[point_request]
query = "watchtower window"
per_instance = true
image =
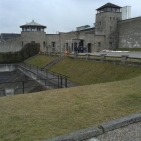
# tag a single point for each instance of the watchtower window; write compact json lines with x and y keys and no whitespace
{"x":113,"y":18}
{"x":110,"y":19}
{"x":110,"y":28}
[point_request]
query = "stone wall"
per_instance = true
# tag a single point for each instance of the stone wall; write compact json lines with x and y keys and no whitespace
{"x":106,"y":24}
{"x":130,"y":33}
{"x":11,"y":45}
{"x":37,"y":37}
{"x":53,"y":43}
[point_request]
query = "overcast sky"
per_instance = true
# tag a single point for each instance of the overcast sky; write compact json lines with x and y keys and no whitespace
{"x":57,"y":15}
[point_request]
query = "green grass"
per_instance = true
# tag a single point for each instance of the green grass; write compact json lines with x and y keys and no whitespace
{"x":85,"y":72}
{"x":51,"y":113}
{"x":40,"y":60}
{"x":47,"y":114}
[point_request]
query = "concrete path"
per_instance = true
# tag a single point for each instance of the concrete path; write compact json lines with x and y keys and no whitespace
{"x":116,"y":54}
{"x":131,"y":132}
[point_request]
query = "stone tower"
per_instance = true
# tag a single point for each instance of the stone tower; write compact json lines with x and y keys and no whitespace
{"x":106,"y":24}
{"x":34,"y":32}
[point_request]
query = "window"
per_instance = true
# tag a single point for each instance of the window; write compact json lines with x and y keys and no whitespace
{"x":44,"y":44}
{"x":110,"y":19}
{"x":110,"y":28}
{"x":99,"y":44}
{"x":113,"y":18}
{"x":53,"y":44}
{"x":100,"y":23}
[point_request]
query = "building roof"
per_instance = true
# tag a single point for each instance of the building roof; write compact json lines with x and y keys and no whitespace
{"x":108,"y":5}
{"x":7,"y":36}
{"x":33,"y":24}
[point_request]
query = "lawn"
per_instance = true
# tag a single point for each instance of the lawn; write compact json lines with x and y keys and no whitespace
{"x":47,"y":114}
{"x":40,"y":60}
{"x":107,"y":92}
{"x":87,"y":72}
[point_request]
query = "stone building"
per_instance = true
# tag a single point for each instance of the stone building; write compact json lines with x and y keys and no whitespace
{"x":109,"y":32}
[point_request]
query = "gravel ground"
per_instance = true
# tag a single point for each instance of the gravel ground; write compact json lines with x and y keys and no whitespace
{"x":131,"y":132}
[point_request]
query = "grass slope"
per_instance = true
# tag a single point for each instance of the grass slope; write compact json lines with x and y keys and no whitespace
{"x":40,"y":60}
{"x":86,"y":72}
{"x":47,"y":114}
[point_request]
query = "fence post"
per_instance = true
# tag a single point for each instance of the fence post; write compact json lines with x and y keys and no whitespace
{"x":58,"y":81}
{"x":66,"y":81}
{"x":30,"y":66}
{"x":45,"y":82}
{"x":61,"y":80}
{"x":37,"y":69}
{"x":23,"y":87}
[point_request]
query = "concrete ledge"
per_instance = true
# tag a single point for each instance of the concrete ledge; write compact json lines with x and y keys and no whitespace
{"x":121,"y":122}
{"x":79,"y":135}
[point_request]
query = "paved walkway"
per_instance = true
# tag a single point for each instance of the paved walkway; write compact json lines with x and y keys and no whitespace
{"x":131,"y":132}
{"x":116,"y":54}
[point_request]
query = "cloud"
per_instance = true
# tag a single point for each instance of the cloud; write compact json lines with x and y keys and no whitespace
{"x":57,"y":15}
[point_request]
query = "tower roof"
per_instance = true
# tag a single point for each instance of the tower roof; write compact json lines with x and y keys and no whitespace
{"x":108,"y":5}
{"x":33,"y":24}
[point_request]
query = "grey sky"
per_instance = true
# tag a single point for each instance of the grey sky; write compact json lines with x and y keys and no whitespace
{"x":57,"y":15}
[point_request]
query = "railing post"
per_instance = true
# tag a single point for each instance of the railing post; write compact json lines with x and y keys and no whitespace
{"x":58,"y":81}
{"x":61,"y":80}
{"x":66,"y":81}
{"x":23,"y":87}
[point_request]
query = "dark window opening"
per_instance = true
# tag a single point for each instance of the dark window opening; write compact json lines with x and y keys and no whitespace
{"x":33,"y":42}
{"x":89,"y":47}
{"x":53,"y":44}
{"x":110,"y":28}
{"x":99,"y":44}
{"x":44,"y":44}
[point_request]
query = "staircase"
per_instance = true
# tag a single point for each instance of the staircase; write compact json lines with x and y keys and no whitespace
{"x":47,"y":66}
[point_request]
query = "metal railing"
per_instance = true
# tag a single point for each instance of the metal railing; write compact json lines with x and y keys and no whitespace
{"x":60,"y":79}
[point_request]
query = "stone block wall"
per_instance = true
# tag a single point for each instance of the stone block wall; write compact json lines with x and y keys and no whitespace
{"x":130,"y":33}
{"x":53,"y":42}
{"x":11,"y":45}
{"x":37,"y":37}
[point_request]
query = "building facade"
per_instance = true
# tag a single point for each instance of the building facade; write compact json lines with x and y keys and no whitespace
{"x":110,"y":32}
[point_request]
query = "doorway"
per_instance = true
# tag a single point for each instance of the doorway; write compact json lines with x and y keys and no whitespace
{"x":89,"y":47}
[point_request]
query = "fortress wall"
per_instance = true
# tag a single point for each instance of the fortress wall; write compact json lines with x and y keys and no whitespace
{"x":66,"y":38}
{"x":130,"y":33}
{"x":11,"y":45}
{"x":37,"y":37}
{"x":99,"y":43}
{"x":50,"y":39}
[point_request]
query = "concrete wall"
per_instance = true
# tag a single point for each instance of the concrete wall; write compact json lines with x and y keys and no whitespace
{"x":130,"y":33}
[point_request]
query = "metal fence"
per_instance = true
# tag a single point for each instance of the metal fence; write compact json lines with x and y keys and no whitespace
{"x":30,"y":86}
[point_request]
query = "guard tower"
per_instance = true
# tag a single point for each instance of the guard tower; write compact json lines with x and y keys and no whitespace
{"x":34,"y":32}
{"x":106,"y":24}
